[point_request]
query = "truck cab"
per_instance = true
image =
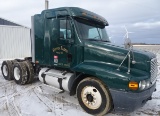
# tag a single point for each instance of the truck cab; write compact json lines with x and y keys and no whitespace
{"x":72,"y":51}
{"x":64,"y":32}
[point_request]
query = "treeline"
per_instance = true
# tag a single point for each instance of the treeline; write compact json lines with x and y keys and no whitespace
{"x":144,"y":44}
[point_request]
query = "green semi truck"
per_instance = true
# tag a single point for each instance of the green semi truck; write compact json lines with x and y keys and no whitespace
{"x":72,"y":51}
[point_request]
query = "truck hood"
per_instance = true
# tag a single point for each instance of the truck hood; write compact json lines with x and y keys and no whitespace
{"x":109,"y":53}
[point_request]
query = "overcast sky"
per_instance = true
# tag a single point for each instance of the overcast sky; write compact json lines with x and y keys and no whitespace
{"x":139,"y":16}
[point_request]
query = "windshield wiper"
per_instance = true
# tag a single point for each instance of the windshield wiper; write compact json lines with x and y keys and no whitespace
{"x":98,"y":40}
{"x":105,"y":41}
{"x":99,"y":34}
{"x":97,"y":37}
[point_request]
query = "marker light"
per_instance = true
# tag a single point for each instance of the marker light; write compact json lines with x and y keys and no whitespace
{"x":37,"y":62}
{"x":133,"y":85}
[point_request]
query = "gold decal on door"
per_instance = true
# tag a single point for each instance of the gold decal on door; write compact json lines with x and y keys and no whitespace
{"x":60,"y":48}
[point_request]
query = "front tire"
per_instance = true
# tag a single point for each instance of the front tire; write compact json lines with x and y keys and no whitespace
{"x":94,"y":97}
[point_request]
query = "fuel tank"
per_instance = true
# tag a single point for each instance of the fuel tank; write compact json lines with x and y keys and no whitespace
{"x":56,"y":78}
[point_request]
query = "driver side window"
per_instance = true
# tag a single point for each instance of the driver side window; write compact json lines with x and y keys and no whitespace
{"x":65,"y":29}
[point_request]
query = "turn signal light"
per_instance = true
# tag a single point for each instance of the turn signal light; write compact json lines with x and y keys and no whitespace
{"x":133,"y":85}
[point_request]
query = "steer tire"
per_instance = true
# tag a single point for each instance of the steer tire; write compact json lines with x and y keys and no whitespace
{"x":7,"y":70}
{"x":20,"y":73}
{"x":30,"y":71}
{"x":94,"y":97}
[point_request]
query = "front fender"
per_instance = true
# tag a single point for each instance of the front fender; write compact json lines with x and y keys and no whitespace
{"x":106,"y":72}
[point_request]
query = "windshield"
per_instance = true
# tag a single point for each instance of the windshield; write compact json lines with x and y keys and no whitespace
{"x":91,"y":31}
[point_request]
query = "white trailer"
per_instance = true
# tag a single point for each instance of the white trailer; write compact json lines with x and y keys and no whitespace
{"x":14,"y":42}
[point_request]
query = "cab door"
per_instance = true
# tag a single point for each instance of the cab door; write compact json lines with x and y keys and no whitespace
{"x":63,"y":50}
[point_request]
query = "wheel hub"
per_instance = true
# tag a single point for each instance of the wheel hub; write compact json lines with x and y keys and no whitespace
{"x":5,"y":70}
{"x":91,"y":97}
{"x":16,"y":73}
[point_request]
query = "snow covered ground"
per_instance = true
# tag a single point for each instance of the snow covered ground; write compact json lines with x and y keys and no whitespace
{"x":37,"y":100}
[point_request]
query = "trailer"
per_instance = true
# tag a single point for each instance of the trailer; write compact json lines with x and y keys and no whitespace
{"x":71,"y":51}
{"x":14,"y":42}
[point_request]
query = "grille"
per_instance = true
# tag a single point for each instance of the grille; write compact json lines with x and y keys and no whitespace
{"x":154,"y":69}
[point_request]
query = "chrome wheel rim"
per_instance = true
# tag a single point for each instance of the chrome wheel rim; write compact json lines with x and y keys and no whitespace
{"x":16,"y":73}
{"x":91,"y":97}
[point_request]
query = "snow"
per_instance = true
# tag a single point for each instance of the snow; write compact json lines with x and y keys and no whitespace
{"x":38,"y":100}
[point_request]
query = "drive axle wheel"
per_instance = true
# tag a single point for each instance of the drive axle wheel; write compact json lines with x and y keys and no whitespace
{"x":20,"y":73}
{"x":94,"y":97}
{"x":30,"y":71}
{"x":13,"y":62}
{"x":7,"y":70}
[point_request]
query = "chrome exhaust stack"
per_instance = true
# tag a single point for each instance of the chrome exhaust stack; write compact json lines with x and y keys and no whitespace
{"x":46,"y":4}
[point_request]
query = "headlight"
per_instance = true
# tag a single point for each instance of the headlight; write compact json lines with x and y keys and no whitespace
{"x":141,"y":85}
{"x":147,"y":84}
{"x":144,"y":84}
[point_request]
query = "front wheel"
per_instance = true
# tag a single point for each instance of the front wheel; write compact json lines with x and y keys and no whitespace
{"x":94,"y":97}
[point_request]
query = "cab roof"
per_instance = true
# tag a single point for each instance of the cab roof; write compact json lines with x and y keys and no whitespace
{"x":76,"y":12}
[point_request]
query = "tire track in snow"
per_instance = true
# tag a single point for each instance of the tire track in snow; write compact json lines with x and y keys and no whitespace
{"x":45,"y":102}
{"x":10,"y":108}
{"x":56,"y":102}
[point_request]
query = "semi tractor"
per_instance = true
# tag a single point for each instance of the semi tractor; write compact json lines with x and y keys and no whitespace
{"x":71,"y":51}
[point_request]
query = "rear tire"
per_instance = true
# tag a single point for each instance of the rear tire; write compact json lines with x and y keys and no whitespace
{"x":13,"y":62}
{"x":20,"y":73}
{"x":7,"y":70}
{"x":30,"y":71}
{"x":94,"y":97}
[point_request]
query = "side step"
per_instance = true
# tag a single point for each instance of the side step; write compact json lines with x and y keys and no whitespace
{"x":55,"y":75}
